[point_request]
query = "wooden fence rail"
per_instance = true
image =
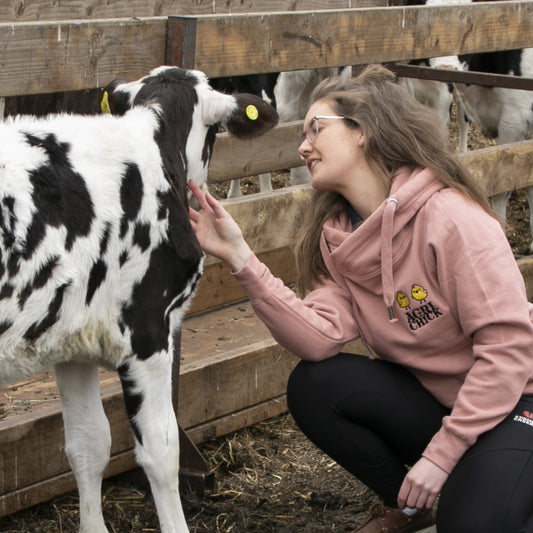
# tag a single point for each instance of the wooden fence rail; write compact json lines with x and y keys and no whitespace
{"x":41,"y":10}
{"x":49,"y":56}
{"x":289,"y":41}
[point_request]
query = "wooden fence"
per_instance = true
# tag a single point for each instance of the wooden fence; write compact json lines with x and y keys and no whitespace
{"x":232,"y":374}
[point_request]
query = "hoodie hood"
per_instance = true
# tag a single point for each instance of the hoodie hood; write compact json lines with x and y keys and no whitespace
{"x":373,"y":249}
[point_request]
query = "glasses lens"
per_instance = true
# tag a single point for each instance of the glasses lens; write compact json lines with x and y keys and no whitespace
{"x":310,"y":133}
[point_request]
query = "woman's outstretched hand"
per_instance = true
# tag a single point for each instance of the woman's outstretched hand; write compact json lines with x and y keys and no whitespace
{"x":216,"y":231}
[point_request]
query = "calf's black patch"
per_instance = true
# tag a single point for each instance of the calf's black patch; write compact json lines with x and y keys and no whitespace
{"x":96,"y":278}
{"x":60,"y":196}
{"x":132,"y":400}
{"x":38,"y":328}
{"x":131,"y":196}
{"x":42,"y":276}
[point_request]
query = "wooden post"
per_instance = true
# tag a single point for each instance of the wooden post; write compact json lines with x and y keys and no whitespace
{"x":181,"y":42}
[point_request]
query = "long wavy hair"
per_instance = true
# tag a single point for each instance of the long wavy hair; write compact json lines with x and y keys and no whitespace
{"x":399,"y":132}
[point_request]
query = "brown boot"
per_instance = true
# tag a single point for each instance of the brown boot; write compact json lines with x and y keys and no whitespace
{"x":383,"y":519}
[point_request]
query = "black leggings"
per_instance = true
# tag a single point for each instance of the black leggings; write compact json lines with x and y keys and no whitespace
{"x":374,"y":417}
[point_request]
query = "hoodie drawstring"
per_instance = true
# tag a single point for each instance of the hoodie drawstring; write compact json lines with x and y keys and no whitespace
{"x":386,"y":256}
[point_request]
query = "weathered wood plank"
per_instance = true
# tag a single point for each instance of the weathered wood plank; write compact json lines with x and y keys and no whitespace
{"x":41,"y":10}
{"x":501,"y":168}
{"x":38,"y":438}
{"x":241,"y":419}
{"x":288,"y":41}
{"x":236,"y":158}
{"x":235,"y":380}
{"x":45,"y":489}
{"x":218,"y":288}
{"x":50,"y":56}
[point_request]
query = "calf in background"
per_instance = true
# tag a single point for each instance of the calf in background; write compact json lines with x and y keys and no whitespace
{"x":503,"y":114}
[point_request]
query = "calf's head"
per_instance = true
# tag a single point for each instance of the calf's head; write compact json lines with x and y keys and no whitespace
{"x":189,"y":111}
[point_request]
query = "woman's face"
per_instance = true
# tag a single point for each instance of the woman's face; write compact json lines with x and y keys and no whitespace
{"x":335,"y":152}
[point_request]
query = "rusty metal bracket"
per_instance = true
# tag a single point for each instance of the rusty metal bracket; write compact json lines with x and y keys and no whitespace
{"x":195,"y":471}
{"x":196,"y":474}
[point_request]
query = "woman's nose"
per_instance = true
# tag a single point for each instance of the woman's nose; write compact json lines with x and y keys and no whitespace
{"x":304,"y":148}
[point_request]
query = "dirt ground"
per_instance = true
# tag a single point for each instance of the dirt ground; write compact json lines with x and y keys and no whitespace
{"x":268,"y":478}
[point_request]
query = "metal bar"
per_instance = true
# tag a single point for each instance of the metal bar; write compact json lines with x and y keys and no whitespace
{"x":457,"y":76}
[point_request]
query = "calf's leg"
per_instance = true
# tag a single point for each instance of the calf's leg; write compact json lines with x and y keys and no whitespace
{"x":148,"y":394}
{"x":87,"y":437}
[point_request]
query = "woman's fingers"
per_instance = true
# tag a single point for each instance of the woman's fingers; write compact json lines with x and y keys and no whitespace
{"x":207,"y":202}
{"x":199,"y":195}
{"x":216,"y":206}
{"x":194,"y":216}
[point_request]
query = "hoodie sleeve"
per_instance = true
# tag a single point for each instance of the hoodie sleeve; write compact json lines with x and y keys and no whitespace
{"x":312,"y":328}
{"x":481,"y":281}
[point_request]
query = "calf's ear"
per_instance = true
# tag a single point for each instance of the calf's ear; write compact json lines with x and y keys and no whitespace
{"x":252,"y":117}
{"x":116,"y":103}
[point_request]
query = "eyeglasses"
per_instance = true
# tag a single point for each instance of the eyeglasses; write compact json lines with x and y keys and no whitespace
{"x":312,"y":131}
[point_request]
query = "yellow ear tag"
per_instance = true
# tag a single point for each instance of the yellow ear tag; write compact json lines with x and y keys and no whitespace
{"x":251,"y":112}
{"x":104,"y":104}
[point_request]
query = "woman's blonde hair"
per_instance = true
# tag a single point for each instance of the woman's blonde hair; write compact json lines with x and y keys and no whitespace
{"x":399,"y":131}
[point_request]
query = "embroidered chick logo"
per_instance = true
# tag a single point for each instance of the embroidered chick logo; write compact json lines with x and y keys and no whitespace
{"x":402,"y":299}
{"x":419,"y":293}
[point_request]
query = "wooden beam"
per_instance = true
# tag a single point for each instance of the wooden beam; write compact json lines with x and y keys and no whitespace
{"x":274,"y":42}
{"x":501,"y":168}
{"x":71,"y":55}
{"x":47,"y":488}
{"x":275,"y":150}
{"x":45,"y":10}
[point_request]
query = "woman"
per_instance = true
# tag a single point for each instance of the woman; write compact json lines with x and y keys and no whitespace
{"x":401,"y":250}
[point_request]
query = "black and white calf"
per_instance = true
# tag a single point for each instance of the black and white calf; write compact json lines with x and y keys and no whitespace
{"x":98,"y":261}
{"x":504,"y":114}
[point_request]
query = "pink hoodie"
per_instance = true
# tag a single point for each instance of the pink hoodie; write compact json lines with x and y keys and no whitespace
{"x":430,"y":282}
